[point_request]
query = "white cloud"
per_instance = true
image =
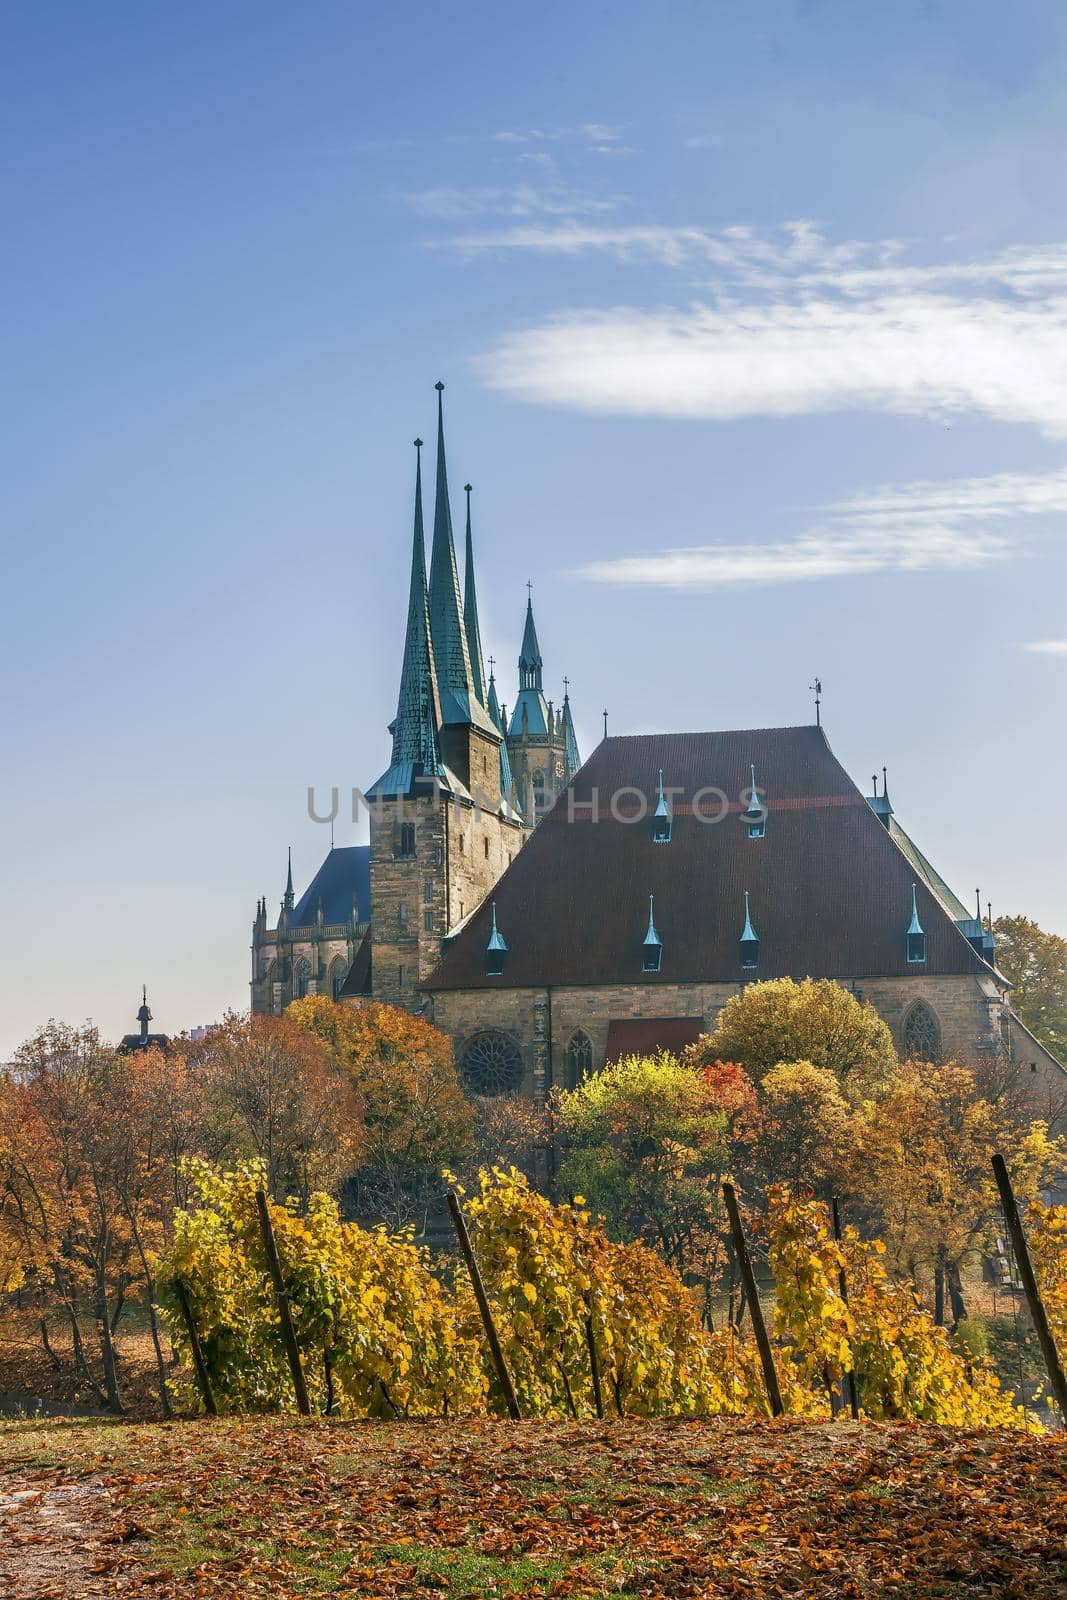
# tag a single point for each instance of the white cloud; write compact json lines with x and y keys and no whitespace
{"x":912,"y":528}
{"x":1047,"y":647}
{"x":522,"y":200}
{"x":792,"y":324}
{"x":917,"y":354}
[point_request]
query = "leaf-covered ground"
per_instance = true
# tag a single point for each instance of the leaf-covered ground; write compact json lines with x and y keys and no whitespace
{"x":275,"y":1507}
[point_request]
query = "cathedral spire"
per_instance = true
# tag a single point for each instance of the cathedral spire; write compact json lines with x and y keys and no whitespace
{"x":530,"y":654}
{"x":287,"y":899}
{"x":470,"y":610}
{"x":418,"y":714}
{"x":570,"y":739}
{"x":459,"y":705}
{"x":507,"y":780}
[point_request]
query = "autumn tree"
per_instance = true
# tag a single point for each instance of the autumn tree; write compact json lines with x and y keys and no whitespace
{"x":274,"y":1091}
{"x":805,"y":1135}
{"x":923,"y":1171}
{"x":60,"y":1174}
{"x":645,"y":1142}
{"x":416,"y":1117}
{"x":816,"y":1021}
{"x":1036,"y":963}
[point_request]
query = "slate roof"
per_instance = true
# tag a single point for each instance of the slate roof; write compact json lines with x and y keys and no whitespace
{"x":343,"y":876}
{"x":830,"y":889}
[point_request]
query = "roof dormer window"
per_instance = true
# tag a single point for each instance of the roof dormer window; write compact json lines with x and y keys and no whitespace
{"x":749,"y":943}
{"x":755,"y":816}
{"x":661,"y":817}
{"x":916,"y":938}
{"x":496,"y":951}
{"x":652,"y":948}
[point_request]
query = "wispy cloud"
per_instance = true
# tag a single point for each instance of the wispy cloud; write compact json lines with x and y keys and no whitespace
{"x":520,"y":200}
{"x":596,"y":133}
{"x":790,"y":323}
{"x":1047,"y":647}
{"x":911,"y":528}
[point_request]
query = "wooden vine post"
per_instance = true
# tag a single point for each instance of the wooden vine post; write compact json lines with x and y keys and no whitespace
{"x":1038,"y":1316}
{"x":292,"y":1349}
{"x":842,"y":1284}
{"x":748,"y":1278}
{"x":459,"y":1222}
{"x":594,"y":1361}
{"x":199,"y":1364}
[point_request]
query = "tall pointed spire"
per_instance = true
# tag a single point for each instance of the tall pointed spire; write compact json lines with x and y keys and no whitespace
{"x":470,"y":610}
{"x":418,"y":711}
{"x":507,"y":781}
{"x":570,"y":738}
{"x":459,"y":703}
{"x":530,"y":654}
{"x":287,"y":900}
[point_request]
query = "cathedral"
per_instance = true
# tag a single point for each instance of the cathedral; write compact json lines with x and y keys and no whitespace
{"x":465,"y":786}
{"x":550,"y":915}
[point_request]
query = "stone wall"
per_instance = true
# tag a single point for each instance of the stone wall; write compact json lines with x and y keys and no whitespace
{"x":969,"y":1011}
{"x":460,"y":851}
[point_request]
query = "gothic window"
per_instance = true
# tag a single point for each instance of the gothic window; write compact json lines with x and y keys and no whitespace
{"x":338,"y":972}
{"x":579,"y":1059}
{"x":303,"y":978}
{"x":922,"y":1034}
{"x":402,"y":916}
{"x":427,"y":919}
{"x":405,"y":844}
{"x":492,"y":1063}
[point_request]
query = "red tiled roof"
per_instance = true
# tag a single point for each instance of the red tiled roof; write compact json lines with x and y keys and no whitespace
{"x":830,"y":890}
{"x":643,"y":1036}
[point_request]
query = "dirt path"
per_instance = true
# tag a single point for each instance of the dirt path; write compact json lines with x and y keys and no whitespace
{"x":57,"y":1540}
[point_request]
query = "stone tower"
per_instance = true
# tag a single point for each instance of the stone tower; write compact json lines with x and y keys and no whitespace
{"x":542,"y":747}
{"x":442,"y":827}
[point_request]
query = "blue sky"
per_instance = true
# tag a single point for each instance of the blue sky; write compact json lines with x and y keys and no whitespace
{"x":753,"y":320}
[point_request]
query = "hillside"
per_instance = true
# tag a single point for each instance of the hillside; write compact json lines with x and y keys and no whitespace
{"x":274,"y":1507}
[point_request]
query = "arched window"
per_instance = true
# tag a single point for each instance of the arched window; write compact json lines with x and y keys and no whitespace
{"x":922,"y":1034}
{"x":405,"y":841}
{"x":492,"y":1063}
{"x":338,"y":973}
{"x":579,"y":1062}
{"x":302,"y":985}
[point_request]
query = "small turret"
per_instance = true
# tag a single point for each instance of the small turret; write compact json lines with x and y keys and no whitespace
{"x":144,"y":1016}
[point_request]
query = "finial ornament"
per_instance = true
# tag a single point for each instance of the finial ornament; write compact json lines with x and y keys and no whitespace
{"x":605,"y":722}
{"x":467,"y":487}
{"x":566,"y":686}
{"x":439,"y":386}
{"x":817,"y":688}
{"x":418,"y":444}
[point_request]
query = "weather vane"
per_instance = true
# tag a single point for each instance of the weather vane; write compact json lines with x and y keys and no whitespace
{"x":817,"y":687}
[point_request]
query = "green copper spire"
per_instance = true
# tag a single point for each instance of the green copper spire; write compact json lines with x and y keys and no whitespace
{"x":530,"y":654}
{"x":574,"y":760}
{"x":530,"y":713}
{"x":418,"y":715}
{"x":459,"y":702}
{"x":507,"y":781}
{"x":470,"y":610}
